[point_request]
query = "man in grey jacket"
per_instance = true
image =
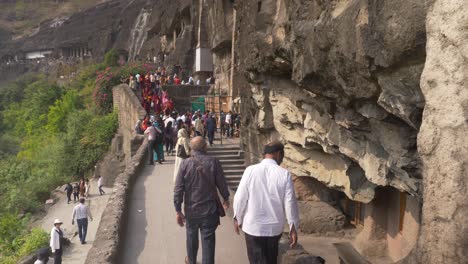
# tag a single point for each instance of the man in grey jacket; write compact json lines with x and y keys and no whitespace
{"x":197,"y":182}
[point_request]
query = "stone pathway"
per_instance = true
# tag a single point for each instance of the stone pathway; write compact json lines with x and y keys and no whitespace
{"x":152,"y":234}
{"x":76,"y":253}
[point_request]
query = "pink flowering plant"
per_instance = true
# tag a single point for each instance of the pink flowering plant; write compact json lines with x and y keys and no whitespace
{"x":102,"y":95}
{"x":111,"y":76}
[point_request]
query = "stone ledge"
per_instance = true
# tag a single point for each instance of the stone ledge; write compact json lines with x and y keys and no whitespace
{"x":110,"y":230}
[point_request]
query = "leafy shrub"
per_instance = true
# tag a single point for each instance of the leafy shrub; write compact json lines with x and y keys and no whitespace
{"x":33,"y":241}
{"x":111,"y":58}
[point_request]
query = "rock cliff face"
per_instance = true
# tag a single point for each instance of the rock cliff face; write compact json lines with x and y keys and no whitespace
{"x":338,"y":81}
{"x":442,"y":139}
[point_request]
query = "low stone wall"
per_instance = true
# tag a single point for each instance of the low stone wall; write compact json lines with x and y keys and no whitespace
{"x":110,"y":230}
{"x":130,"y":110}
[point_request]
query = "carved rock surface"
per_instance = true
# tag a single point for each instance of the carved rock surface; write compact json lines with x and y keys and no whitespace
{"x":338,"y":82}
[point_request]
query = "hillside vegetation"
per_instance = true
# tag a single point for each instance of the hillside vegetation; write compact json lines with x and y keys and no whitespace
{"x":50,"y":135}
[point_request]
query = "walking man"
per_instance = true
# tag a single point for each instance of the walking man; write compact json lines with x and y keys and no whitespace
{"x":99,"y":183}
{"x":81,"y":213}
{"x":211,"y":127}
{"x":264,"y":196}
{"x":56,"y":238}
{"x":76,"y":192}
{"x":197,"y":182}
{"x":69,"y":190}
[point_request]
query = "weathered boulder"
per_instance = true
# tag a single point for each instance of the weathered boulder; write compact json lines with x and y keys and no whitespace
{"x":320,"y":218}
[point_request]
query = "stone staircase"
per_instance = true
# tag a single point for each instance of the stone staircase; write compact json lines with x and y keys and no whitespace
{"x":232,"y":160}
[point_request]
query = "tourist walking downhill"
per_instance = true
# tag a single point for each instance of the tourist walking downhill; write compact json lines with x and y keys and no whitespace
{"x":182,"y":148}
{"x":69,"y":191}
{"x":197,"y":182}
{"x":100,"y":184}
{"x":265,"y":194}
{"x":76,"y":192}
{"x":56,"y":238}
{"x":81,"y":213}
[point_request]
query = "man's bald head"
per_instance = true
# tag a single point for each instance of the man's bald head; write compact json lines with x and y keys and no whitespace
{"x":198,"y":144}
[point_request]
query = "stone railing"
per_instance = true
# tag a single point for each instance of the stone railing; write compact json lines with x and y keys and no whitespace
{"x":130,"y":110}
{"x":111,"y":227}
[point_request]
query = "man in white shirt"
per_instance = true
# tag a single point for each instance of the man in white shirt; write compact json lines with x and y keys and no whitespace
{"x":81,"y":213}
{"x":100,"y":184}
{"x":264,"y":196}
{"x":56,"y":237}
{"x":170,"y":119}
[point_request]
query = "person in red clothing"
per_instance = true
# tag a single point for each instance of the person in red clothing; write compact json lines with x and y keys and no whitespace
{"x":176,"y":79}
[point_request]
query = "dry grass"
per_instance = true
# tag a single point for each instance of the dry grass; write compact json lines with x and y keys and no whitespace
{"x":22,"y":16}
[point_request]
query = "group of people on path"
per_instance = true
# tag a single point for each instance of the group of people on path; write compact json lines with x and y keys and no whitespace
{"x":264,"y":202}
{"x":80,"y":214}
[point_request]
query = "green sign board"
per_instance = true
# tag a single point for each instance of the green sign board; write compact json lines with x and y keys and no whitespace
{"x":198,"y":104}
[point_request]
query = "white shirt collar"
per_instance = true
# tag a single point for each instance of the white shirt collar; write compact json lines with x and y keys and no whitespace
{"x":269,"y":161}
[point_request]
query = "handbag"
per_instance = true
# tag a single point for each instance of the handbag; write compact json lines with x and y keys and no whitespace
{"x":181,"y":152}
{"x":219,"y":205}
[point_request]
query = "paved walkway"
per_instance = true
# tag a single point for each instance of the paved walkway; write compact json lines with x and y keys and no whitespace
{"x":76,"y":253}
{"x":152,"y":235}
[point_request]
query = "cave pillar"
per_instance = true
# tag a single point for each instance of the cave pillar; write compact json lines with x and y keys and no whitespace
{"x":442,"y":142}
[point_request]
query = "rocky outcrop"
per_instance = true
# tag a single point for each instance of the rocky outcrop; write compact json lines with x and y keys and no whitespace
{"x":442,"y":139}
{"x":320,"y":218}
{"x":338,"y":81}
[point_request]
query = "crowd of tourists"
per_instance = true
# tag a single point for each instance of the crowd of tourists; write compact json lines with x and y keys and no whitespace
{"x":264,"y":201}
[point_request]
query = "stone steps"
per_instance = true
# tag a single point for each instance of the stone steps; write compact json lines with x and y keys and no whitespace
{"x":232,"y":161}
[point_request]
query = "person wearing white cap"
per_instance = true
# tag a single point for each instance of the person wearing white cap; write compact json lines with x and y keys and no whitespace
{"x":56,"y":237}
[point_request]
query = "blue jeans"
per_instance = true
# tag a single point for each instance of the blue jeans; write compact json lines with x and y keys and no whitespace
{"x":207,"y":227}
{"x":82,"y":228}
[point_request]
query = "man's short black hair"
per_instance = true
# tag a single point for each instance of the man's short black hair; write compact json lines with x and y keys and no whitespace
{"x":273,"y":147}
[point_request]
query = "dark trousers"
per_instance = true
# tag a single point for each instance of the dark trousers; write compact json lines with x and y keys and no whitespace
{"x":58,"y":256}
{"x":76,"y":196}
{"x":151,"y":144}
{"x":207,"y":228}
{"x":211,"y":134}
{"x":82,"y":228}
{"x":169,"y":144}
{"x":69,"y":196}
{"x":262,"y":250}
{"x":101,"y":191}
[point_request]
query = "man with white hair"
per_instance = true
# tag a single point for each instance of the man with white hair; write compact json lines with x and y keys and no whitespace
{"x":197,"y":184}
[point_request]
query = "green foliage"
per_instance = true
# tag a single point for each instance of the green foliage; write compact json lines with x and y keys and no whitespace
{"x":34,"y":240}
{"x":50,"y":135}
{"x":15,"y":240}
{"x":111,"y":58}
{"x":58,"y":113}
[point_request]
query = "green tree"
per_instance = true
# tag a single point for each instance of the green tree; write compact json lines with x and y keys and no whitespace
{"x":111,"y":58}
